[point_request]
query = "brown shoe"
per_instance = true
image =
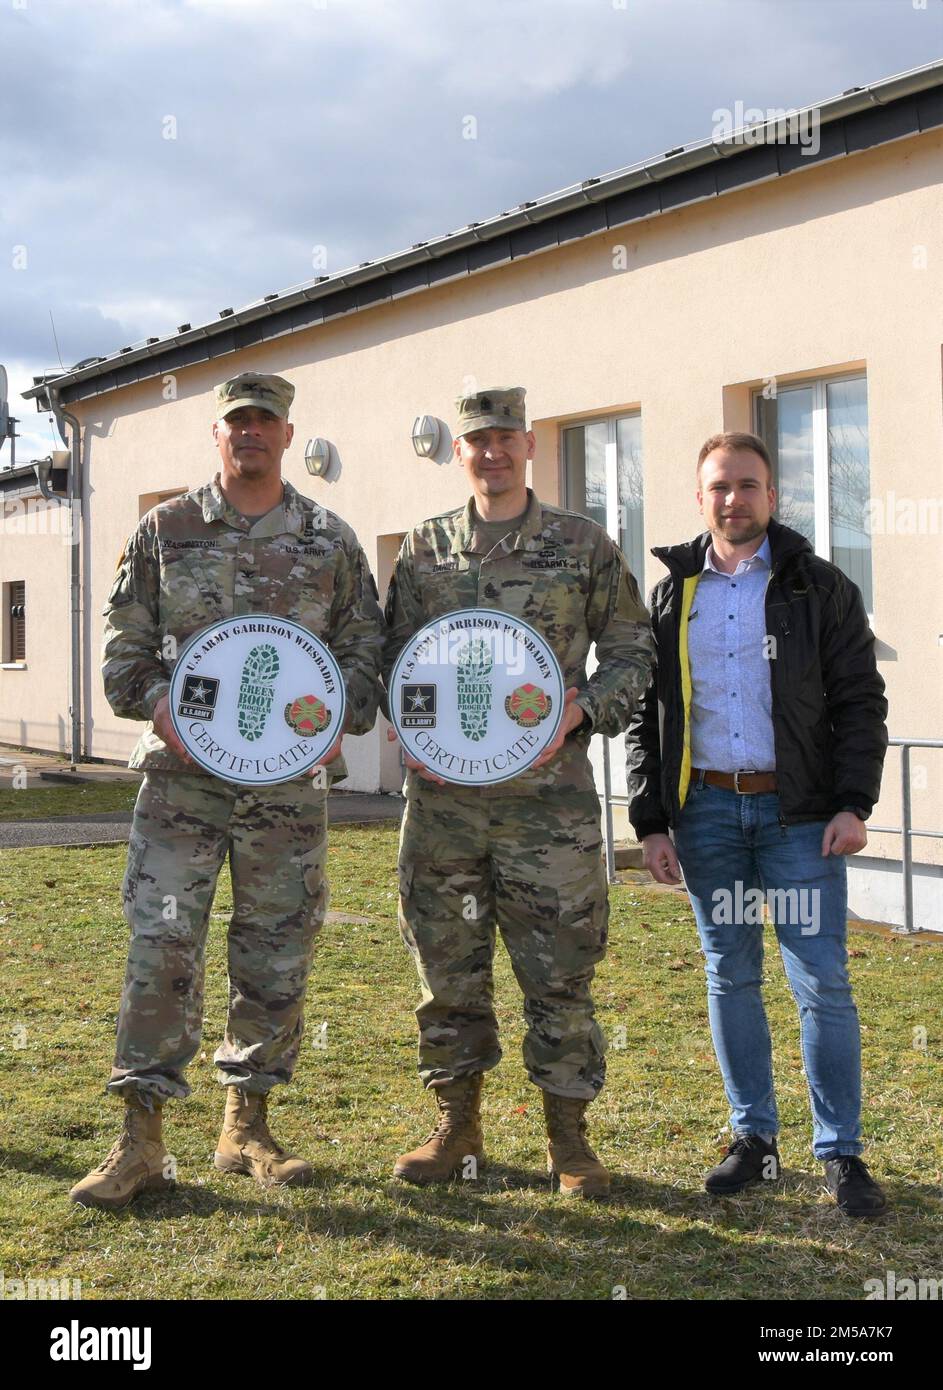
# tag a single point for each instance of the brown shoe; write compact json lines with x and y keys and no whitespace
{"x":246,"y":1145}
{"x":137,"y":1162}
{"x":456,"y":1138}
{"x":569,"y":1158}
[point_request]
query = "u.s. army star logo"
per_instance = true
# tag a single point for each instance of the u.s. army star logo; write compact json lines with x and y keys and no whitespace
{"x":199,"y":697}
{"x":417,"y":706}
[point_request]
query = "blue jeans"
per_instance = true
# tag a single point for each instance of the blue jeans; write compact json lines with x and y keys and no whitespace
{"x":736,"y":857}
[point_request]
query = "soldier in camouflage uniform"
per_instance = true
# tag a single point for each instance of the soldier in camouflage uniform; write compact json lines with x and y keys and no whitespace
{"x":247,"y":542}
{"x":526,"y":853}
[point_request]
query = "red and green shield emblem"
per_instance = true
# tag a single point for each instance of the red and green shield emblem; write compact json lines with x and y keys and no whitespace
{"x":307,"y":715}
{"x":527,"y":705}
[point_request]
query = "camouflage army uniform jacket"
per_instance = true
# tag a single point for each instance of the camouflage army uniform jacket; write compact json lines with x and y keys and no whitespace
{"x":561,"y":573}
{"x":195,"y":560}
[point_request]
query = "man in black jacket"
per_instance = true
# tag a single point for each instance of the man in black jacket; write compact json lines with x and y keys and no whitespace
{"x":760,"y":744}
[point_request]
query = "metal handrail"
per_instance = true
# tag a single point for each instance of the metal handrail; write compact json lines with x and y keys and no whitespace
{"x":905,"y":831}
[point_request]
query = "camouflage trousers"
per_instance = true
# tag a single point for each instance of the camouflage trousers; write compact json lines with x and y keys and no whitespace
{"x":531,"y":865}
{"x":276,"y":838}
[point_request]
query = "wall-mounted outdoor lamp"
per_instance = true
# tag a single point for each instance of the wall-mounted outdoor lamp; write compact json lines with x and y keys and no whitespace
{"x":318,"y":456}
{"x":426,"y":436}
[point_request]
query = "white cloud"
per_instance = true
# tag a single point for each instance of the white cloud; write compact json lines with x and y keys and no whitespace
{"x":300,"y":125}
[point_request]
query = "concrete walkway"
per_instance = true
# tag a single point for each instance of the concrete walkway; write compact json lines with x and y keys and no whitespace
{"x":105,"y":828}
{"x":48,"y":770}
{"x":112,"y":827}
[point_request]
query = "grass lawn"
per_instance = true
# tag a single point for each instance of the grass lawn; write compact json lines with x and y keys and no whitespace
{"x":44,"y":802}
{"x":357,"y":1103}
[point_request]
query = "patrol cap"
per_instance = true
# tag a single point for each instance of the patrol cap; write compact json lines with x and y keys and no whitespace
{"x":272,"y":393}
{"x":492,"y":409}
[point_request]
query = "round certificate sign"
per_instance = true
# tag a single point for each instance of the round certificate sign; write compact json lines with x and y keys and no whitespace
{"x":257,"y":699}
{"x":476,"y":696}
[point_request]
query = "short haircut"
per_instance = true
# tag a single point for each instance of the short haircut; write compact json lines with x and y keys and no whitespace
{"x":736,"y":439}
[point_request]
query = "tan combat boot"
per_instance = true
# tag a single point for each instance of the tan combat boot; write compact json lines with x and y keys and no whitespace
{"x":246,"y":1146}
{"x":456,"y":1138}
{"x":569,"y":1158}
{"x":137,"y":1162}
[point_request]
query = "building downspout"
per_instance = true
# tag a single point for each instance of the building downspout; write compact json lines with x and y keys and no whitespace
{"x":77,"y":525}
{"x":76,"y":535}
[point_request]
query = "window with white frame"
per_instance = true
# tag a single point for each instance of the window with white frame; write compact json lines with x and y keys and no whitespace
{"x":602,"y":479}
{"x":817,"y":436}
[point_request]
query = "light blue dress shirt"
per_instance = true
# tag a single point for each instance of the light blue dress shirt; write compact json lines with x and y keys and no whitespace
{"x":731,"y":705}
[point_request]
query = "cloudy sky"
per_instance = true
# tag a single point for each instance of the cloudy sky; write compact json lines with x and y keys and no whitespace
{"x":163,"y":159}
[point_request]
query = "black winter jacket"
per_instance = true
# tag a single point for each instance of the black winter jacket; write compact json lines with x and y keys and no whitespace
{"x":828,"y":702}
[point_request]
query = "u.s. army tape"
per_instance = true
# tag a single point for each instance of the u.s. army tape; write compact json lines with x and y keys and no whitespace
{"x":257,"y":699}
{"x":476,"y":696}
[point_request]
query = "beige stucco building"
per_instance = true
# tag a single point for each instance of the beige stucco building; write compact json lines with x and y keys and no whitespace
{"x":739,"y":284}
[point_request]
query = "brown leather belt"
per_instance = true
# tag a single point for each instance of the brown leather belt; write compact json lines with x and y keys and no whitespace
{"x":747,"y":783}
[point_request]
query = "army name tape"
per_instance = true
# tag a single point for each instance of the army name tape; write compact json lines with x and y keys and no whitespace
{"x":476,"y":696}
{"x":257,"y":699}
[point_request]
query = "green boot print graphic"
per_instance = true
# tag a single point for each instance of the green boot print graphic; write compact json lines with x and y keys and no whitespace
{"x":474,"y":688}
{"x":257,"y":691}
